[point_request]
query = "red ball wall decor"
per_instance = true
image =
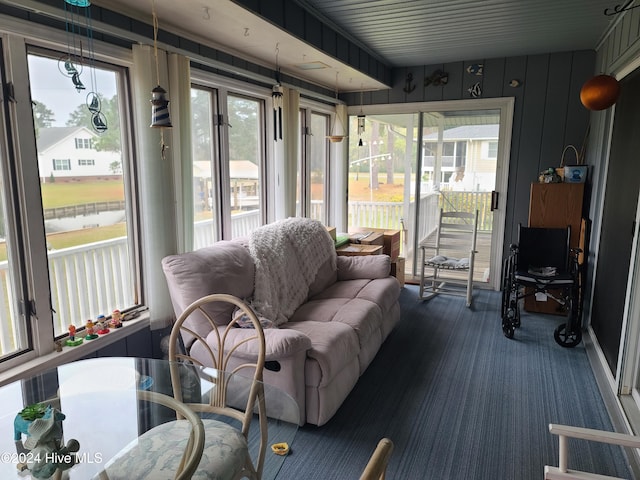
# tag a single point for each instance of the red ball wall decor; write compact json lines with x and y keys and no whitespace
{"x":600,"y":92}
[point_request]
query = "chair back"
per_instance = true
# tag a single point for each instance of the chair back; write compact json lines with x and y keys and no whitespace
{"x":457,"y":233}
{"x":236,"y":351}
{"x":543,"y":247}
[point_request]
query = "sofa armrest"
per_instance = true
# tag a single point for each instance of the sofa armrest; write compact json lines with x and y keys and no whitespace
{"x":363,"y":267}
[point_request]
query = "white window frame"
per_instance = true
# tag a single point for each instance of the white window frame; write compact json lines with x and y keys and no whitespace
{"x":223,"y":88}
{"x":307,"y":108}
{"x":17,"y":37}
{"x":61,"y":164}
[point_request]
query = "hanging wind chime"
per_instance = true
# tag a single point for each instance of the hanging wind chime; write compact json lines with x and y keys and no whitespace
{"x":277,"y":94}
{"x":72,"y":64}
{"x":332,"y":137}
{"x":361,"y":120}
{"x":159,"y":103}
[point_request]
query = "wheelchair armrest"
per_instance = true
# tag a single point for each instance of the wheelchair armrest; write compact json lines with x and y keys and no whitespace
{"x":575,"y":253}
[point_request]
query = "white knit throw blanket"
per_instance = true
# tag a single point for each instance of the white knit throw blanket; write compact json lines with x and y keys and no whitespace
{"x":287,"y":256}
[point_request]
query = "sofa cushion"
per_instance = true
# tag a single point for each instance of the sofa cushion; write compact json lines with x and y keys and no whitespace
{"x":363,"y":267}
{"x":319,"y":310}
{"x":363,"y":316}
{"x":333,"y":345}
{"x":346,"y":289}
{"x":225,"y":267}
{"x":381,"y":291}
{"x":326,"y":276}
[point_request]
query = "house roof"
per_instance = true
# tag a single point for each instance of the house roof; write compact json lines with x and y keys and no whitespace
{"x":468,"y":132}
{"x":238,"y":169}
{"x":48,"y":137}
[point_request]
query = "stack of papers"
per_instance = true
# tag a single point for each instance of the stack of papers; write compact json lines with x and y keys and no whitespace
{"x":543,"y":271}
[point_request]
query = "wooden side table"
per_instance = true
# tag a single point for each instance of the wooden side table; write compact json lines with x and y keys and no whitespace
{"x":353,"y":249}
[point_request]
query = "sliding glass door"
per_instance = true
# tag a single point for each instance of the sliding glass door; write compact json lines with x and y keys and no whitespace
{"x":405,"y":166}
{"x":458,"y":173}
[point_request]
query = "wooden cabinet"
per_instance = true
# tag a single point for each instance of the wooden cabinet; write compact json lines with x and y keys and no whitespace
{"x":556,"y":205}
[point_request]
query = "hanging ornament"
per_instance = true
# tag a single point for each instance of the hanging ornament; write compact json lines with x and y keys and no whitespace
{"x":277,"y":95}
{"x":159,"y":108}
{"x":475,"y":90}
{"x":78,"y":54}
{"x":361,"y":120}
{"x":159,"y":104}
{"x":600,"y":92}
{"x":333,"y":138}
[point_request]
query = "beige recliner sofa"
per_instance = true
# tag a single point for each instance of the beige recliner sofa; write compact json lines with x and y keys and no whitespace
{"x":320,"y":343}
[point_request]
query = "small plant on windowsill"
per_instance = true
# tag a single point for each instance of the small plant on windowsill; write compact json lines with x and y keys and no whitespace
{"x":33,"y":412}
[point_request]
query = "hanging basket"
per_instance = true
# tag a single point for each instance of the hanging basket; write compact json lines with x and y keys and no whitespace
{"x":575,"y":173}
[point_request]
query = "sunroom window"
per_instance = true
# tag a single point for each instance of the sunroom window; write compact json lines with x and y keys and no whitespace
{"x":228,"y":150}
{"x":85,"y":210}
{"x":65,"y":241}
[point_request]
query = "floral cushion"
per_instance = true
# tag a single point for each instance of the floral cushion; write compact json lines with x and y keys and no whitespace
{"x":157,"y":453}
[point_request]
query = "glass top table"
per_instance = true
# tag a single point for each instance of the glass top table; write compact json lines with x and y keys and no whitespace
{"x":105,"y":411}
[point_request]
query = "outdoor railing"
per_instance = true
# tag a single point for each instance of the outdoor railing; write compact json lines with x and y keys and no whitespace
{"x":83,"y":209}
{"x":86,"y":281}
{"x":96,"y":278}
{"x":89,"y":280}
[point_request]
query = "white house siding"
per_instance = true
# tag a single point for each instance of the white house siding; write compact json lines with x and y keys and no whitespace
{"x":66,"y":149}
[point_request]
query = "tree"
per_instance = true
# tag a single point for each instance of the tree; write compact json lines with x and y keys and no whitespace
{"x":43,"y":117}
{"x":243,"y":131}
{"x":114,"y":167}
{"x":109,"y":140}
{"x":201,"y":124}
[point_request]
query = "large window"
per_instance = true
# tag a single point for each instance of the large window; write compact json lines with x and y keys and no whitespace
{"x":66,"y":242}
{"x":228,"y":146}
{"x":88,"y":249}
{"x":312,"y":188}
{"x":205,"y":229}
{"x":245,"y":162}
{"x":318,"y":170}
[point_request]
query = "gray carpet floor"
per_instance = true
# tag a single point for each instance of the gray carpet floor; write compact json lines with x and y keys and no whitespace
{"x":461,"y":401}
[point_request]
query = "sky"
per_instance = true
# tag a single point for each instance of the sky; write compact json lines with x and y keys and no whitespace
{"x":49,"y":85}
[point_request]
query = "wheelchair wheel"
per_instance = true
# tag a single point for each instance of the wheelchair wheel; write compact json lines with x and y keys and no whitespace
{"x":510,"y":312}
{"x":511,"y":319}
{"x":569,"y":333}
{"x":567,"y":338}
{"x":508,"y":330}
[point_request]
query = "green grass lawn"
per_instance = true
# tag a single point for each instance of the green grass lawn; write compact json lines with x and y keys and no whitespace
{"x":73,"y":193}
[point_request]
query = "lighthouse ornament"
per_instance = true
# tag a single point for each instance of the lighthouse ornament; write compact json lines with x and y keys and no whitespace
{"x":159,"y":108}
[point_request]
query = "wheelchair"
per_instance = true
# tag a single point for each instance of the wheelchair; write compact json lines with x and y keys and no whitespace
{"x":543,"y":262}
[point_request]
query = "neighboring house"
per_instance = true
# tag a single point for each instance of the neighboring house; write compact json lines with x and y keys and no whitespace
{"x":468,"y":148}
{"x":68,"y":153}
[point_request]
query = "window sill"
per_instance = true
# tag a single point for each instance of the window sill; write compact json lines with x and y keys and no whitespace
{"x":70,"y":354}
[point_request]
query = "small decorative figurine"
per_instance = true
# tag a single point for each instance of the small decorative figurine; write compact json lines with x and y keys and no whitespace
{"x":42,"y":426}
{"x":72,"y":341}
{"x":116,"y":319}
{"x":90,"y":331}
{"x":101,"y":325}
